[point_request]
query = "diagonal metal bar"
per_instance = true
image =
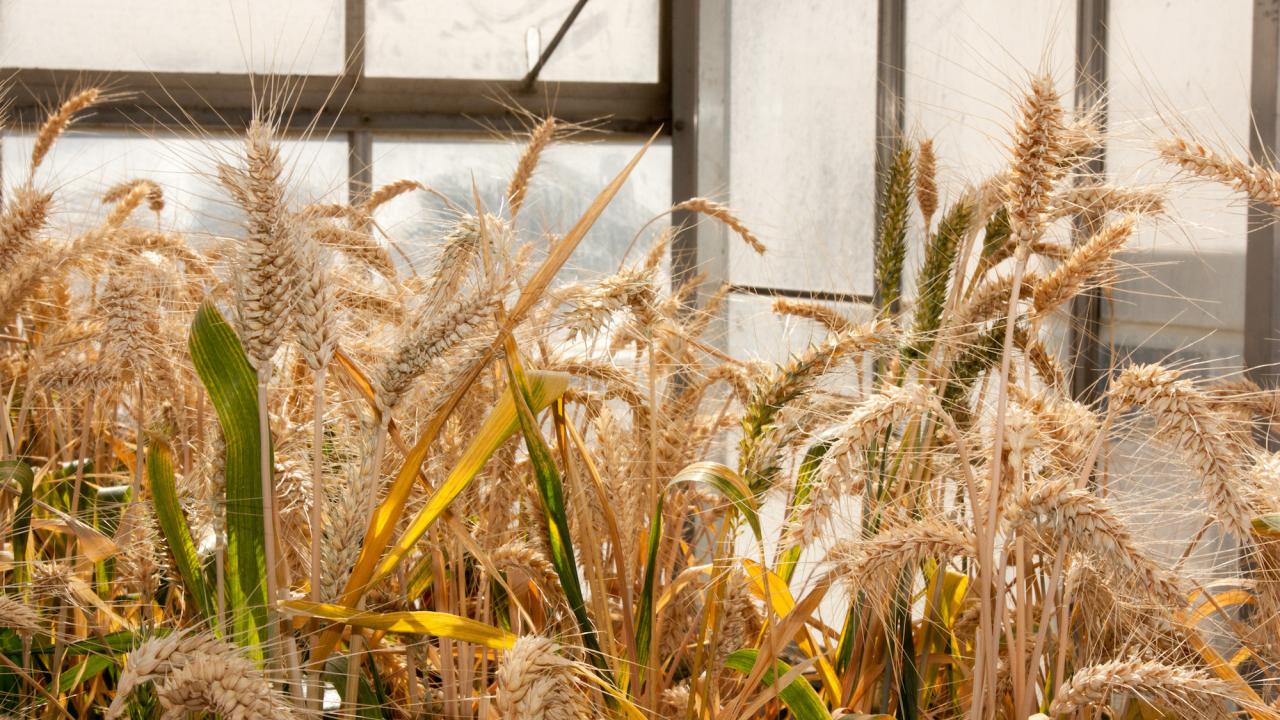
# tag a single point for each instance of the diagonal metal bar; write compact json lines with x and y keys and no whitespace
{"x":532,"y":76}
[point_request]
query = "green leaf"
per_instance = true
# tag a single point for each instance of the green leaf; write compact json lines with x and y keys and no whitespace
{"x":367,"y":703}
{"x":173,"y":524}
{"x":787,"y":559}
{"x":92,"y":667}
{"x":233,"y":389}
{"x":645,"y":608}
{"x":20,"y":533}
{"x":799,"y":696}
{"x":730,"y":485}
{"x":551,"y":491}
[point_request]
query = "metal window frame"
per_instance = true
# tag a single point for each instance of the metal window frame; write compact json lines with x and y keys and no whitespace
{"x":361,"y":106}
{"x":1091,"y":90}
{"x":357,"y":105}
{"x":1262,"y":250}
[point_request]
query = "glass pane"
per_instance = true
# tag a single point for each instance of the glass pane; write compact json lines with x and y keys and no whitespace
{"x":801,"y":119}
{"x":289,"y":36}
{"x":1183,"y":301}
{"x":1190,"y":78}
{"x":568,"y":177}
{"x":83,"y":165}
{"x":965,"y":60}
{"x":615,"y":41}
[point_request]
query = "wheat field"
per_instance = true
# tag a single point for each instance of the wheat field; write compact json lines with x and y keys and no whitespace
{"x":277,"y":475}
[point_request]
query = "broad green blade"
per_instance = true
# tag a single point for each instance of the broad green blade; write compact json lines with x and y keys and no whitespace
{"x":233,"y":389}
{"x":799,"y":696}
{"x":173,"y":523}
{"x":91,"y":668}
{"x":551,"y":491}
{"x":20,"y":532}
{"x":415,"y":622}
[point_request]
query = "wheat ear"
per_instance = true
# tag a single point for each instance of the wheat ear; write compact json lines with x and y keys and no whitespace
{"x":927,"y":181}
{"x":535,"y":682}
{"x":1085,"y":262}
{"x":841,"y":471}
{"x":1038,"y":152}
{"x":1186,"y":418}
{"x":713,"y":209}
{"x":191,"y":667}
{"x":824,"y":315}
{"x":1259,"y":183}
{"x":20,"y":617}
{"x":58,"y":121}
{"x":1062,"y":512}
{"x":874,"y":564}
{"x":518,"y":188}
{"x":1101,"y":198}
{"x":23,"y":217}
{"x":428,"y":338}
{"x":1178,"y":687}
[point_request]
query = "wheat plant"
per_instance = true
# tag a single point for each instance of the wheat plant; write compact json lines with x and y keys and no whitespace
{"x":281,"y":474}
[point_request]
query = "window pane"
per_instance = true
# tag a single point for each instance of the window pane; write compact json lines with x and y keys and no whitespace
{"x":568,"y":177}
{"x":1183,"y":301}
{"x":289,"y":36}
{"x":1190,"y":78}
{"x":83,"y":165}
{"x":801,"y":123}
{"x":615,"y":41}
{"x":965,"y":62}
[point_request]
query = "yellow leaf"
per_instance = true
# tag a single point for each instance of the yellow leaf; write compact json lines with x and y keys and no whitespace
{"x":499,"y":426}
{"x":96,"y":546}
{"x":783,"y":603}
{"x":412,"y":622}
{"x":1221,"y":600}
